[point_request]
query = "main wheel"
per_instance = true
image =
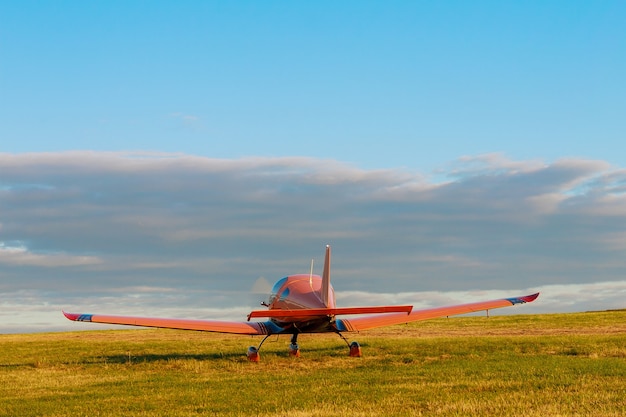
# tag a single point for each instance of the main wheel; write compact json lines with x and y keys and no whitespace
{"x":355,"y":350}
{"x":253,"y":354}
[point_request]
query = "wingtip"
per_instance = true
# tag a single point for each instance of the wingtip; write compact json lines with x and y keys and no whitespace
{"x":77,"y":317}
{"x":70,"y":316}
{"x":530,"y":298}
{"x":525,"y":299}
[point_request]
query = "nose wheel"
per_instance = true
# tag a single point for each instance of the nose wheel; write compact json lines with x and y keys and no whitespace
{"x":294,"y":349}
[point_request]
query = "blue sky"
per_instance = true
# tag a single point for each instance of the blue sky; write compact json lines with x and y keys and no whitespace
{"x":177,"y":152}
{"x":375,"y":84}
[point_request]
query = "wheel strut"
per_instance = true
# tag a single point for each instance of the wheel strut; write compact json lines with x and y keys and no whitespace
{"x":355,"y":348}
{"x":253,"y":352}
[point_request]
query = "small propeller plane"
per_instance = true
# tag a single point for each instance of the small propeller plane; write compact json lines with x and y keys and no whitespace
{"x":305,"y":303}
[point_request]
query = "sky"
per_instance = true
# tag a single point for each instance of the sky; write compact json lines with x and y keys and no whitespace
{"x":176,"y":158}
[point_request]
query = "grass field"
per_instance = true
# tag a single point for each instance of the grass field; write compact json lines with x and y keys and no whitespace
{"x":533,"y":365}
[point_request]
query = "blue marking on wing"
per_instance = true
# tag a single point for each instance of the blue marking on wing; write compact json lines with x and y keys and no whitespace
{"x":84,"y":317}
{"x":269,"y":327}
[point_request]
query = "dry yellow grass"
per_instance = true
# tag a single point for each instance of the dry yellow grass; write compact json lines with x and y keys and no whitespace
{"x":556,"y":365}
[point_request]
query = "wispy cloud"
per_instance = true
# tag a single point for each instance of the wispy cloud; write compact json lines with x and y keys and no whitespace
{"x":189,"y":121}
{"x":22,"y":256}
{"x":85,"y":223}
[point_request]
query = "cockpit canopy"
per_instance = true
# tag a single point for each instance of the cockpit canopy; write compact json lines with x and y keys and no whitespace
{"x":276,"y":294}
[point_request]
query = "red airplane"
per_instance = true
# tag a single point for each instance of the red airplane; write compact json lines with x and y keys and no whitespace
{"x":305,"y":303}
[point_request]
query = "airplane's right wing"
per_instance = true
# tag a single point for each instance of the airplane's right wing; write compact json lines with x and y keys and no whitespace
{"x":251,"y":328}
{"x":380,"y":320}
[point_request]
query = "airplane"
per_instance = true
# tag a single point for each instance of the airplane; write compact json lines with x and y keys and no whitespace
{"x":305,"y":303}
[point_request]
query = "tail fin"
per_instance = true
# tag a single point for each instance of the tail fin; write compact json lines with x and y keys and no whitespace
{"x":326,"y":295}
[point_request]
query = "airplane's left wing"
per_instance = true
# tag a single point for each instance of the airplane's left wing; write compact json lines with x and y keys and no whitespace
{"x":250,"y":328}
{"x":379,"y":320}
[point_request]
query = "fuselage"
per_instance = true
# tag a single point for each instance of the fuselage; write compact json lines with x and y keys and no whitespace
{"x":297,"y":292}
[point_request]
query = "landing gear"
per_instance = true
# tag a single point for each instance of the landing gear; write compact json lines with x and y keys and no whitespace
{"x":254,"y":355}
{"x":294,"y":349}
{"x":253,"y":352}
{"x":355,"y":348}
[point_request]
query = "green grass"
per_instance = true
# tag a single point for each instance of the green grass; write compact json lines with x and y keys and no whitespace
{"x":539,"y":365}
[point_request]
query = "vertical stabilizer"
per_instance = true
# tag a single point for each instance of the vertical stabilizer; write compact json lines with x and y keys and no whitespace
{"x":326,"y":295}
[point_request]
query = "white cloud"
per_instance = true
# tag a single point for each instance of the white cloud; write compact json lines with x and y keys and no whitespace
{"x":189,"y":121}
{"x":88,"y":222}
{"x":553,"y":298}
{"x":21,"y":256}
